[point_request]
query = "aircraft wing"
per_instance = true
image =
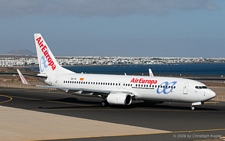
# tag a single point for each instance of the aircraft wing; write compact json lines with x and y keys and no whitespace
{"x":24,"y":81}
{"x":74,"y":89}
{"x":83,"y":91}
{"x":94,"y":92}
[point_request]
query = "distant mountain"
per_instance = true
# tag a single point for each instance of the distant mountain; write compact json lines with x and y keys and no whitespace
{"x":21,"y":52}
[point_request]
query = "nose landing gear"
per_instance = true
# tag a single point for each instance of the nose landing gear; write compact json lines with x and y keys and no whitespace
{"x":194,"y":104}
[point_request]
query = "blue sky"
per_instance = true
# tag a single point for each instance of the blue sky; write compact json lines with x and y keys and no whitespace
{"x":152,"y":28}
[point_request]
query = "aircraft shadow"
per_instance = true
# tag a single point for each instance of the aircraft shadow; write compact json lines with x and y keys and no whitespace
{"x":72,"y":101}
{"x":174,"y":106}
{"x":96,"y":104}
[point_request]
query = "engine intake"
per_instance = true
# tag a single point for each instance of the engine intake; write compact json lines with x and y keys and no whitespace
{"x":119,"y":99}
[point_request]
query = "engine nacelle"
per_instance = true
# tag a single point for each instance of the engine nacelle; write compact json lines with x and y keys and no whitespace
{"x":119,"y":99}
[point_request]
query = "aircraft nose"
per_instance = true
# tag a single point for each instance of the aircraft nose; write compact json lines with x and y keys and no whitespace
{"x":212,"y":94}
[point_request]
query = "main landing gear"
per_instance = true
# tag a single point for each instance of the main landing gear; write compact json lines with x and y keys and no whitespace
{"x":104,"y":103}
{"x":192,"y":108}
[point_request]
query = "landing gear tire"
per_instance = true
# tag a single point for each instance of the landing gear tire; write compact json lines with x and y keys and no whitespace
{"x":104,"y":103}
{"x":192,"y":108}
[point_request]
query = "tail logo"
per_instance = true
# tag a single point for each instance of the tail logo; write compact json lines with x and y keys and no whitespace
{"x":46,"y":57}
{"x":43,"y":64}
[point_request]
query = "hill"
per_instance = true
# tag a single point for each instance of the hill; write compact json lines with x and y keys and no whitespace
{"x":21,"y":52}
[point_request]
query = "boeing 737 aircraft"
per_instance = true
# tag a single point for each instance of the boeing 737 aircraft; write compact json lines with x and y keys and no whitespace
{"x":117,"y":89}
{"x":150,"y":72}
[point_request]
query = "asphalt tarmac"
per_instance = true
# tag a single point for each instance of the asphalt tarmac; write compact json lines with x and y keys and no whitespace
{"x":206,"y":122}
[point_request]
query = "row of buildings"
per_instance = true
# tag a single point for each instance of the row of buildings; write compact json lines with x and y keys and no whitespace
{"x":15,"y":60}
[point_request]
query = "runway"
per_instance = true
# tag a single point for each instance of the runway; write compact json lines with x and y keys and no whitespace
{"x":168,"y":121}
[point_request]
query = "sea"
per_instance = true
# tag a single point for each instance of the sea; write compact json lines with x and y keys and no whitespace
{"x":186,"y":69}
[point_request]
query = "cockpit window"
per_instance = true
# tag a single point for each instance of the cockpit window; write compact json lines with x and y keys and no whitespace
{"x":200,"y":87}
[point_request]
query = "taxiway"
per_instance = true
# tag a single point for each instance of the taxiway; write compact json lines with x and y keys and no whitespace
{"x":82,"y":118}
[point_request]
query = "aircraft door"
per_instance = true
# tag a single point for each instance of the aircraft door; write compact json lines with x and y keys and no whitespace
{"x":56,"y":80}
{"x":185,"y":88}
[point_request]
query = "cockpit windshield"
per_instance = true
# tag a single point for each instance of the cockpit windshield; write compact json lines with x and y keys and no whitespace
{"x":201,"y":87}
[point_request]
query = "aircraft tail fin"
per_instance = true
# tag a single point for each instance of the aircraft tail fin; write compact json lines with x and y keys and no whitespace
{"x":24,"y":81}
{"x":46,"y":60}
{"x":150,"y":72}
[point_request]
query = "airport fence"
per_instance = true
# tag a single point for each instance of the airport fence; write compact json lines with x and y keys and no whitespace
{"x":219,"y":98}
{"x":213,"y":81}
{"x":23,"y":86}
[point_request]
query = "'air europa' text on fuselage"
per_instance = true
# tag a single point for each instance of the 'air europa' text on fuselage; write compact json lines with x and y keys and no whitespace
{"x":44,"y":50}
{"x":144,"y":81}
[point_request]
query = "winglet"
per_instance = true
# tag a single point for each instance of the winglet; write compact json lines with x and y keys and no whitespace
{"x":24,"y":81}
{"x":150,"y":73}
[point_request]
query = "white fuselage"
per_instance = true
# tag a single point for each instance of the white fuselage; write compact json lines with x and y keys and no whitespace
{"x":141,"y":87}
{"x":117,"y":89}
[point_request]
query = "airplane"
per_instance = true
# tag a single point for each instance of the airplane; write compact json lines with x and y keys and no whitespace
{"x":22,"y":78}
{"x":116,"y":89}
{"x":150,"y":72}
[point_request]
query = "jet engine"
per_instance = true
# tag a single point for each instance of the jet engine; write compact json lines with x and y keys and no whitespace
{"x":119,"y":99}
